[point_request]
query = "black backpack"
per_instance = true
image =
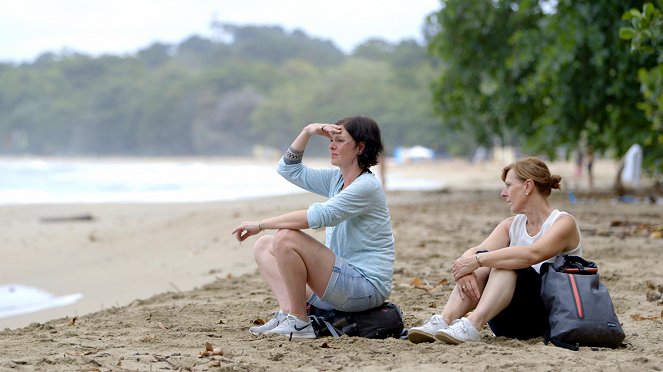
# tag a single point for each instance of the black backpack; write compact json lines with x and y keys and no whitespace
{"x":580,"y":310}
{"x":383,"y":321}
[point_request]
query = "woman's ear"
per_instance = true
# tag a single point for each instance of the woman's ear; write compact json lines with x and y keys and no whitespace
{"x":361,"y":146}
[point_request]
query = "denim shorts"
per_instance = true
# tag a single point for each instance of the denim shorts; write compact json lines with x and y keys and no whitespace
{"x":347,"y":290}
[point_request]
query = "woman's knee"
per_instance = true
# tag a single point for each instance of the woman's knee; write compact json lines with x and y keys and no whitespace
{"x":284,"y":235}
{"x":502,"y":279}
{"x":263,"y":247}
{"x":503,"y":274}
{"x":284,"y":240}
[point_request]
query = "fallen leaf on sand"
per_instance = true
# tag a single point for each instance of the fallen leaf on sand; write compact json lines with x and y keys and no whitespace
{"x":416,"y":282}
{"x":73,"y":321}
{"x":642,"y":317}
{"x":638,"y":229}
{"x":210,"y":350}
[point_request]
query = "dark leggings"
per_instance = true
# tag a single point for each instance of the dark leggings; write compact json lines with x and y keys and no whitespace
{"x":525,"y":317}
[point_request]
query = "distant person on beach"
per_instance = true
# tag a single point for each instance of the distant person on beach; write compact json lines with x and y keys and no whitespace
{"x":498,"y":281}
{"x":632,"y":167}
{"x":353,"y":270}
{"x":580,"y":157}
{"x":628,"y":175}
{"x":590,"y":165}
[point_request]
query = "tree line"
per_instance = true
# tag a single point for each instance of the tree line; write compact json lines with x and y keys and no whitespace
{"x":543,"y":76}
{"x":222,"y":95}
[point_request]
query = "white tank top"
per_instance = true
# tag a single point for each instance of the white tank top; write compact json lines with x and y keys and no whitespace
{"x":518,"y":234}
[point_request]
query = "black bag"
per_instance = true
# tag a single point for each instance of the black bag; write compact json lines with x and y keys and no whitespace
{"x":383,"y":321}
{"x":580,"y":310}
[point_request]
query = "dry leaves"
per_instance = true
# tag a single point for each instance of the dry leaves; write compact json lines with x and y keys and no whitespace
{"x":259,"y":321}
{"x":652,"y":231}
{"x":210,"y":350}
{"x":639,"y":317}
{"x":417,"y":282}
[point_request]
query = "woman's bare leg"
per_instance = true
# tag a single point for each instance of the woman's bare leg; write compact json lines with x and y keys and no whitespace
{"x":294,"y":261}
{"x":456,"y":307}
{"x":496,"y":296}
{"x":264,"y":255}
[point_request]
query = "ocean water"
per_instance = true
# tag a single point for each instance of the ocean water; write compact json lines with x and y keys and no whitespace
{"x":137,"y":181}
{"x":18,"y":299}
{"x":37,"y":181}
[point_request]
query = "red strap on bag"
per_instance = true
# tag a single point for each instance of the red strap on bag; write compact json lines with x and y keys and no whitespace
{"x":576,"y":297}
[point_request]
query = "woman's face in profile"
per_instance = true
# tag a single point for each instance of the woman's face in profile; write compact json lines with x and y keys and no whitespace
{"x":513,"y":191}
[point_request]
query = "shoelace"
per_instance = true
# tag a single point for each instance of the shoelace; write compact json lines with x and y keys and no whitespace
{"x":461,"y":327}
{"x":435,"y":319}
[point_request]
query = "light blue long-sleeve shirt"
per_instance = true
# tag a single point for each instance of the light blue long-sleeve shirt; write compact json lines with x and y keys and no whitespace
{"x":357,"y":221}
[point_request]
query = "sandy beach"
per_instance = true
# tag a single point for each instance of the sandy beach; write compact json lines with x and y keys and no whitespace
{"x":158,"y":281}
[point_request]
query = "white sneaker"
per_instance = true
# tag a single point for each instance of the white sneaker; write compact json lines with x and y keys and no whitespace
{"x":461,"y":330}
{"x":293,"y":327}
{"x":279,"y":316}
{"x":427,"y":331}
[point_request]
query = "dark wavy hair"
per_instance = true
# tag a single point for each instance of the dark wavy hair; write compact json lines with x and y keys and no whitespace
{"x":366,"y":130}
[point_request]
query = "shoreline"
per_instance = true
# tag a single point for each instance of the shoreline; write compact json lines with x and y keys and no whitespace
{"x":112,"y":180}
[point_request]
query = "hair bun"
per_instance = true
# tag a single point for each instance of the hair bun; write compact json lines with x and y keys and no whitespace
{"x":555,"y":181}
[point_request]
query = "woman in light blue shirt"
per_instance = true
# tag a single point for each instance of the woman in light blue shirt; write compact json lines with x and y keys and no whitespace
{"x":353,"y":270}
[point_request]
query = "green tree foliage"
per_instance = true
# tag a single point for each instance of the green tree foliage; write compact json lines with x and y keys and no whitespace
{"x":583,"y":81}
{"x":247,"y":86}
{"x":398,"y":98}
{"x":477,"y":92}
{"x":646,"y":35}
{"x":273,"y":45}
{"x":540,"y":75}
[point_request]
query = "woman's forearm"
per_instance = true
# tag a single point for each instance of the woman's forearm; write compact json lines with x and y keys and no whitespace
{"x":507,"y":258}
{"x":504,"y":258}
{"x":299,"y":144}
{"x":293,"y":220}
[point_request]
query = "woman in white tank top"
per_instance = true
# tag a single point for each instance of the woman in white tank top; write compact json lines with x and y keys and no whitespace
{"x":498,"y":281}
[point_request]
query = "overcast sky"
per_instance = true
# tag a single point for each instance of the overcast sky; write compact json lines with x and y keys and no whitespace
{"x":31,"y":27}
